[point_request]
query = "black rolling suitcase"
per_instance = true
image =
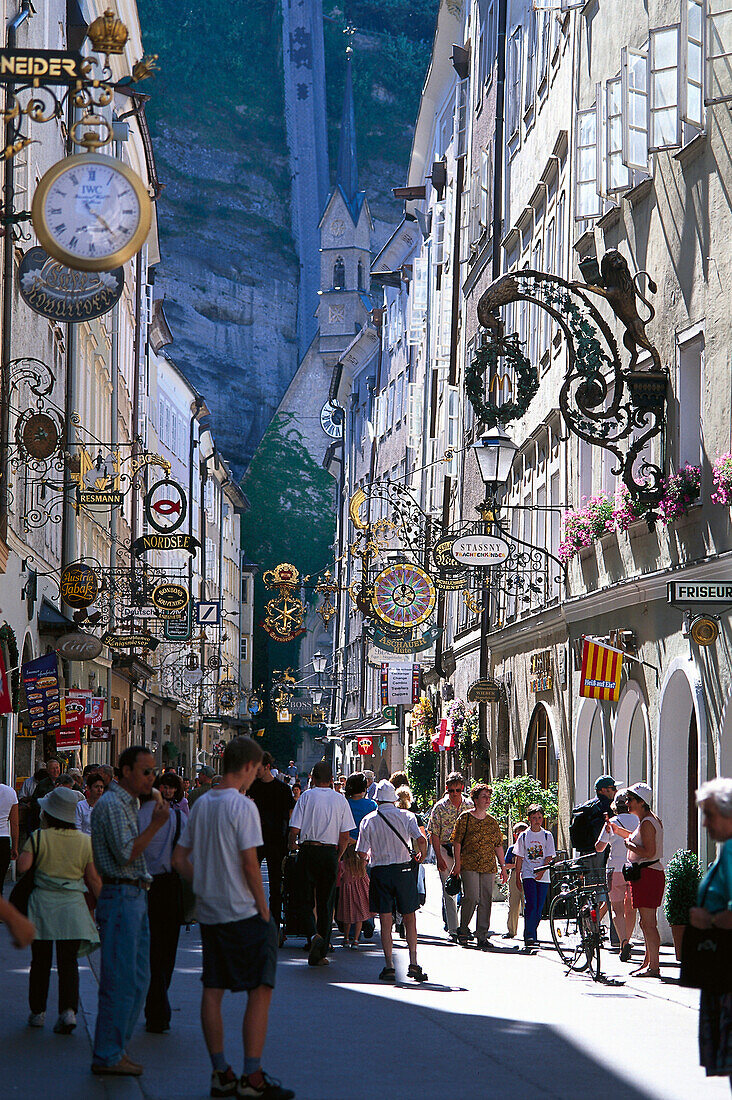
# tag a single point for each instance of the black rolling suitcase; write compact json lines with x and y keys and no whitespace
{"x":292,"y":919}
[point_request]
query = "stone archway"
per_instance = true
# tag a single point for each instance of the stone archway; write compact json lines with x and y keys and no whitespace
{"x":541,"y":751}
{"x":589,"y":754}
{"x":681,"y":755}
{"x":632,"y":756}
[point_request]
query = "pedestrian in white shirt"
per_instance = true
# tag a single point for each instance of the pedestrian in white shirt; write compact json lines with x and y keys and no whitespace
{"x":94,"y":791}
{"x":218,"y":854}
{"x":618,"y":889}
{"x":8,"y":829}
{"x":320,"y":822}
{"x":392,"y":841}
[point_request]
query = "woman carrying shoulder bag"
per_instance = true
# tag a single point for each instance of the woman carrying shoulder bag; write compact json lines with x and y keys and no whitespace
{"x":715,"y":912}
{"x":64,"y":868}
{"x":644,"y":871}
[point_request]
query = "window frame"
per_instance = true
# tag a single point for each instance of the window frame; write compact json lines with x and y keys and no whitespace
{"x":580,"y":214}
{"x":612,"y":152}
{"x":626,"y":91}
{"x":713,"y":9}
{"x":685,"y":81}
{"x":653,"y":109}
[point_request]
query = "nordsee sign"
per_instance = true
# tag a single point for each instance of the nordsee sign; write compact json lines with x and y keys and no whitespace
{"x":683,"y":593}
{"x":480,"y":550}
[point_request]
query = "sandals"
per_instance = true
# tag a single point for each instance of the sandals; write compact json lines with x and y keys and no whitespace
{"x":626,"y":951}
{"x":415,"y":971}
{"x":645,"y":973}
{"x":388,"y":974}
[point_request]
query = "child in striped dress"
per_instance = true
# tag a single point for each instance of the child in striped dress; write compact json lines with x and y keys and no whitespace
{"x":353,"y":895}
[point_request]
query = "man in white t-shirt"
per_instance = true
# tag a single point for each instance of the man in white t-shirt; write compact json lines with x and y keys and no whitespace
{"x":321,"y":821}
{"x":8,"y":829}
{"x":218,"y":854}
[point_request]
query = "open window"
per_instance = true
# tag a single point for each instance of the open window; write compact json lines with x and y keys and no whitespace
{"x":587,"y":198}
{"x":617,"y":173}
{"x":692,"y":63}
{"x":514,"y":83}
{"x":718,"y":30}
{"x":664,"y":99}
{"x":634,"y":108}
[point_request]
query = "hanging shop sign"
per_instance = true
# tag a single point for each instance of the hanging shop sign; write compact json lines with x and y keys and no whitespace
{"x":45,"y":67}
{"x":40,"y":681}
{"x":284,"y":716}
{"x":448,"y":575}
{"x":254,"y":705}
{"x":73,"y":712}
{"x":602,"y":668}
{"x":404,"y":595}
{"x":484,"y":691}
{"x":365,"y":746}
{"x":685,"y":593}
{"x":165,"y":506}
{"x":79,"y":646}
{"x":108,"y":498}
{"x":79,"y":585}
{"x":64,"y":294}
{"x":483,"y":550}
{"x":389,"y":714}
{"x":300,"y":706}
{"x":164,"y":542}
{"x":170,"y":597}
{"x":227,"y":694}
{"x":541,"y":671}
{"x":102,"y":732}
{"x":68,"y":739}
{"x":399,"y":685}
{"x":178,"y":628}
{"x":403,"y":642}
{"x":39,"y":435}
{"x":130,"y":639}
{"x":377,"y":657}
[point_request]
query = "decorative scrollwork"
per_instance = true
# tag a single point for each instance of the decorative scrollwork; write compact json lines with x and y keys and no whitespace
{"x":490,"y":411}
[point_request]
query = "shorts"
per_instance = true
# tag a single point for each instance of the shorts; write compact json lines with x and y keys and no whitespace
{"x":394,"y":884}
{"x":617,"y":888}
{"x":647,"y":891}
{"x":239,"y":955}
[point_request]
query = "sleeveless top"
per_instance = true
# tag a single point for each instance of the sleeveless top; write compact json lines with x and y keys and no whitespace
{"x":634,"y":857}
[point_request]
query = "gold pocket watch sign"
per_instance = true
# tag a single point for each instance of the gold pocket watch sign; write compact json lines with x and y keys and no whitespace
{"x":91,"y":212}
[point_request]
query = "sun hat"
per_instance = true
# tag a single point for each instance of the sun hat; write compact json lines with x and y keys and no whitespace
{"x":642,"y":791}
{"x":61,"y":803}
{"x":385,"y":791}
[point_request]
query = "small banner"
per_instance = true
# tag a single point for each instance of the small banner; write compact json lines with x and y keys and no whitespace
{"x":365,"y":746}
{"x":398,"y":685}
{"x":40,"y":680}
{"x":6,"y":701}
{"x":601,"y":670}
{"x":446,"y":735}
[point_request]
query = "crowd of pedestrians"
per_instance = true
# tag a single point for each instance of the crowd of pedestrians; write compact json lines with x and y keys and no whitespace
{"x":107,"y":858}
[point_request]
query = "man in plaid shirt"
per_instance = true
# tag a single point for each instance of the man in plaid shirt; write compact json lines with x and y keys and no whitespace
{"x":440,"y":826}
{"x":121,"y":911}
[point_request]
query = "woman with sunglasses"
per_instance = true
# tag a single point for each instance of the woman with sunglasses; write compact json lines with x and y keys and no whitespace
{"x":647,"y":880}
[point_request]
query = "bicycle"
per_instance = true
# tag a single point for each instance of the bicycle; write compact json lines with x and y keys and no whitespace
{"x":575,"y":916}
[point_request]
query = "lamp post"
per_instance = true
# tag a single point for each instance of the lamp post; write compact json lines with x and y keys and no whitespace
{"x":495,"y":453}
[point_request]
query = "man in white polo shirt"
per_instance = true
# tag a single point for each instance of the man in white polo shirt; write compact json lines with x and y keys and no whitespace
{"x":321,"y":822}
{"x":392,"y":841}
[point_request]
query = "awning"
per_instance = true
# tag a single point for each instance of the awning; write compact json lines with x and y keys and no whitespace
{"x":51,"y":621}
{"x":366,"y":728}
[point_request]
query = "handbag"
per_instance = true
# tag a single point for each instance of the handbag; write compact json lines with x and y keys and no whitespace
{"x":706,"y":956}
{"x":632,"y":871}
{"x":21,"y":892}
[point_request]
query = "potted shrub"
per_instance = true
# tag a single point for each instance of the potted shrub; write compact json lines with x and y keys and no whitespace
{"x":683,"y":875}
{"x":680,"y":491}
{"x":586,"y":525}
{"x":722,"y":477}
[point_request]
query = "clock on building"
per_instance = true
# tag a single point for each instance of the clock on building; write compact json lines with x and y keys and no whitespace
{"x":337,"y":227}
{"x":91,"y":212}
{"x":336,"y":315}
{"x":331,"y":419}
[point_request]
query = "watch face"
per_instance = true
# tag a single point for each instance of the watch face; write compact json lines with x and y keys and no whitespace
{"x":91,"y":212}
{"x":337,"y":227}
{"x":331,"y":420}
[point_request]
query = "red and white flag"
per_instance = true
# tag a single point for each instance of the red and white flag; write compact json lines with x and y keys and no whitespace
{"x":446,"y":735}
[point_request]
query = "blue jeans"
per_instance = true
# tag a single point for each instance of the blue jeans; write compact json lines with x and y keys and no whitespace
{"x":535,"y":893}
{"x":125,"y":971}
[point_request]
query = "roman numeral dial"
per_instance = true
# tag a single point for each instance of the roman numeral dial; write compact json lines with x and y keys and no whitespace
{"x":91,"y":212}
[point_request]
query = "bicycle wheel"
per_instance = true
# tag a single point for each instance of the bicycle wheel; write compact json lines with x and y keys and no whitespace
{"x":591,"y":937}
{"x":567,"y":932}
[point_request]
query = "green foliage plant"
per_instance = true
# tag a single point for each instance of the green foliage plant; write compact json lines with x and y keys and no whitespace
{"x":512,"y":798}
{"x":422,"y":771}
{"x":683,"y":875}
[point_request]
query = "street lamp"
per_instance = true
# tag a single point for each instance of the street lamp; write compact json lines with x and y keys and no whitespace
{"x":319,"y":662}
{"x":316,"y":695}
{"x":495,"y":453}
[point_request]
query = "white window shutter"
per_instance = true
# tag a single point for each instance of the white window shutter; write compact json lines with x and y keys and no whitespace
{"x":617,"y":173}
{"x":692,"y":63}
{"x":634,"y":104}
{"x":664,"y":117}
{"x":718,"y":31}
{"x":414,"y":415}
{"x":587,"y":199}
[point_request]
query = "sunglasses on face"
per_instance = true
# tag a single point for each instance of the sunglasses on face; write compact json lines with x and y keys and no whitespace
{"x":148,"y":771}
{"x":454,"y":790}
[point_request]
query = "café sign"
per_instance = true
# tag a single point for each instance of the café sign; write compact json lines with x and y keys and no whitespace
{"x":483,"y":550}
{"x":64,"y":294}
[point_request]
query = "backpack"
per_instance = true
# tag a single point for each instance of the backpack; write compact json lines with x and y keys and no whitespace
{"x":585,"y":826}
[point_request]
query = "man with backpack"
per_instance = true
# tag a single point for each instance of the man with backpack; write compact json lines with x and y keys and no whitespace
{"x":588,"y":820}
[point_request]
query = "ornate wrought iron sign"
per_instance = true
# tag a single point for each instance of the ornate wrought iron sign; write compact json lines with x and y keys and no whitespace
{"x":170,"y":597}
{"x":44,"y":66}
{"x":130,"y":639}
{"x":165,"y":542}
{"x":480,"y":550}
{"x":284,"y":614}
{"x":79,"y":585}
{"x":65,"y":294}
{"x":165,"y":506}
{"x":403,"y":595}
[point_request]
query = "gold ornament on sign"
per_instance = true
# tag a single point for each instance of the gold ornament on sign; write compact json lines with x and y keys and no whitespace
{"x":354,"y":508}
{"x":327,"y":589}
{"x":145,"y":67}
{"x":284,"y":614}
{"x":108,"y":34}
{"x":471,"y":603}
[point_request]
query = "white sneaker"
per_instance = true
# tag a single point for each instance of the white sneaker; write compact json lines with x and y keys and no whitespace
{"x":65,"y":1023}
{"x":37,"y":1019}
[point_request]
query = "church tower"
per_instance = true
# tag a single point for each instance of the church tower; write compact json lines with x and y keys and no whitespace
{"x":345,"y":243}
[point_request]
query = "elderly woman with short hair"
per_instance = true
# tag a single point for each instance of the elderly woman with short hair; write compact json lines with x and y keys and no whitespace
{"x":715,"y":911}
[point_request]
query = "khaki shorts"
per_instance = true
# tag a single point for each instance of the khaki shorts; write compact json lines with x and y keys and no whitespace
{"x":617,"y":888}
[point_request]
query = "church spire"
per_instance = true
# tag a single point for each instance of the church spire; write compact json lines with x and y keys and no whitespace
{"x":347,"y":172}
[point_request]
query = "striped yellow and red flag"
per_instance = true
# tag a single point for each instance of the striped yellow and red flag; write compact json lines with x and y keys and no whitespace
{"x":601,"y":670}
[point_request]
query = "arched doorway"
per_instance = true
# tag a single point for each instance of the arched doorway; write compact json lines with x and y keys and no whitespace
{"x":588,"y":721}
{"x":540,"y":754}
{"x":682,"y":755}
{"x":632,"y":757}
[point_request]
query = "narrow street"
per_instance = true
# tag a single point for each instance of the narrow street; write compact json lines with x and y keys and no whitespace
{"x":486,"y":1025}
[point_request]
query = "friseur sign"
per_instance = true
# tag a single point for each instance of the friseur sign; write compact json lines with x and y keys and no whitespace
{"x":45,"y":66}
{"x":684,"y":593}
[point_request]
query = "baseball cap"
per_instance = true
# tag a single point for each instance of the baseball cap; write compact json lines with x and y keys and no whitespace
{"x":208,"y":772}
{"x":385,"y":791}
{"x":604,"y":781}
